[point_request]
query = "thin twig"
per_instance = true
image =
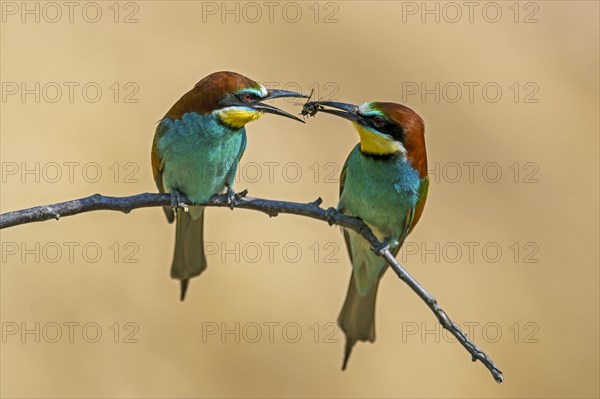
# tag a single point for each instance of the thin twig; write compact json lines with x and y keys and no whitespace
{"x":271,"y":208}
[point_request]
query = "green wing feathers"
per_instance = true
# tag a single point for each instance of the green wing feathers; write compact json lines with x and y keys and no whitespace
{"x":158,"y":165}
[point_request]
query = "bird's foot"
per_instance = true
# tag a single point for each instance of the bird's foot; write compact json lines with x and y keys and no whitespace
{"x":331,"y":213}
{"x":381,"y":248}
{"x":233,"y":198}
{"x":177,"y":202}
{"x":230,"y":197}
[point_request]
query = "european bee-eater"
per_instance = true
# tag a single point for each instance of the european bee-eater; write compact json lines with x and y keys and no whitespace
{"x":196,"y":150}
{"x":384,"y":182}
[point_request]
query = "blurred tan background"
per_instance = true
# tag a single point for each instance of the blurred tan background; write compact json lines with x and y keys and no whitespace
{"x":533,"y":306}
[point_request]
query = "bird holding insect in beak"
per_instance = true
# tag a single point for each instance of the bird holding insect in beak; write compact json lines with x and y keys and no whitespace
{"x":196,"y":150}
{"x":384,"y":182}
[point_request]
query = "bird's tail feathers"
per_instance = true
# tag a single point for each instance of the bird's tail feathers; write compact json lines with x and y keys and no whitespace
{"x":357,"y":318}
{"x":189,"y":259}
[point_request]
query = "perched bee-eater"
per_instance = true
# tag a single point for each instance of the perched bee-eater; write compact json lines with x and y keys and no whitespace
{"x":196,"y":150}
{"x":384,"y":182}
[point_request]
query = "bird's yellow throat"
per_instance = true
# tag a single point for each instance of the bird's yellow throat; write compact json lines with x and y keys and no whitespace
{"x":237,"y":117}
{"x":375,"y":143}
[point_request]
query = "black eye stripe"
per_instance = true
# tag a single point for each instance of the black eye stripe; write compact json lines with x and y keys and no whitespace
{"x":388,"y":127}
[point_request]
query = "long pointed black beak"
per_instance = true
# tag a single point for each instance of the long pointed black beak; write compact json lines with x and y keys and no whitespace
{"x":343,"y":110}
{"x":269,"y":109}
{"x":283,"y":93}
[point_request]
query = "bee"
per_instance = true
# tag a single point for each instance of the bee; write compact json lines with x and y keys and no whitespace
{"x":311,"y":108}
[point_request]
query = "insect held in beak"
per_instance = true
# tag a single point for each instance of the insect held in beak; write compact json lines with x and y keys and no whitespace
{"x":310,"y":108}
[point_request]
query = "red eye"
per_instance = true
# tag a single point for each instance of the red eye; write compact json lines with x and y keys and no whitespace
{"x":378,"y":121}
{"x":247,"y":96}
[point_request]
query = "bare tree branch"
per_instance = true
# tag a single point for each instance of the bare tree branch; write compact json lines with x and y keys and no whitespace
{"x":271,"y":208}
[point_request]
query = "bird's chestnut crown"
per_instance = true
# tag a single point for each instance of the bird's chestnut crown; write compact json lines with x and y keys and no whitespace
{"x":233,"y":97}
